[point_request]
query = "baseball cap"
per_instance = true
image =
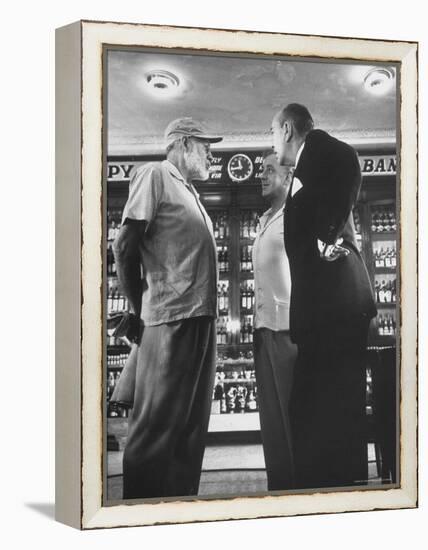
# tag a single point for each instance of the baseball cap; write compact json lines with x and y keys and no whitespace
{"x":188,"y":126}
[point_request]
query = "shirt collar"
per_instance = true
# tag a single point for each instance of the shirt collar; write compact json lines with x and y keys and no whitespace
{"x":174,"y":171}
{"x":299,"y":152}
{"x":279,"y":212}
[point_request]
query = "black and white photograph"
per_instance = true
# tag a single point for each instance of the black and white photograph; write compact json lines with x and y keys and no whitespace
{"x":251,"y":281}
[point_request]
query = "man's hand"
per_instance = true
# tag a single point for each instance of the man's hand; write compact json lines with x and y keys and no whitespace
{"x":332,"y":252}
{"x":128,"y":326}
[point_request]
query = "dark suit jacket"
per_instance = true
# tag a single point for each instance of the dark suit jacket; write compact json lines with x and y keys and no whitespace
{"x":325,"y":294}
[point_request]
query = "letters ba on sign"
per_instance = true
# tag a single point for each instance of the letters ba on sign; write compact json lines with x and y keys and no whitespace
{"x":377,"y":165}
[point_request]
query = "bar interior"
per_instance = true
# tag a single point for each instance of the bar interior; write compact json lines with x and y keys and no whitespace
{"x":236,"y":97}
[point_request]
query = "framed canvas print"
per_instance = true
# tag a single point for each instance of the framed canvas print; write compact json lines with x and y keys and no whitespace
{"x":236,"y":274}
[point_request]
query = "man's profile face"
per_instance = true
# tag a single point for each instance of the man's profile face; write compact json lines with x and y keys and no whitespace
{"x":273,"y":178}
{"x":198,"y":159}
{"x":278,"y":140}
{"x":282,"y":143}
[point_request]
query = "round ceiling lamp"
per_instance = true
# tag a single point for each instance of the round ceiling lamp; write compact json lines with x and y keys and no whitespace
{"x":162,"y":83}
{"x":379,"y":80}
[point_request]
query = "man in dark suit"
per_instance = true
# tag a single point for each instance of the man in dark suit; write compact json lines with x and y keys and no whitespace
{"x":331,"y":303}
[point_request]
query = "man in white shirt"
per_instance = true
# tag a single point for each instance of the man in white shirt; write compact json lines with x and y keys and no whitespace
{"x":274,"y":352}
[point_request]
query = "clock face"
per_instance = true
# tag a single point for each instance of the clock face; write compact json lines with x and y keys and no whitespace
{"x":240,"y":167}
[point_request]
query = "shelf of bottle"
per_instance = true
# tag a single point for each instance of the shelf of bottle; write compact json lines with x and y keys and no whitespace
{"x":246,"y":275}
{"x":384,"y":236}
{"x":115,"y":367}
{"x":386,"y":305}
{"x":224,"y":275}
{"x":385,"y":270}
{"x":246,"y":240}
{"x":233,"y":364}
{"x":111,"y":311}
{"x":222,"y":242}
{"x":237,"y":381}
{"x":118,"y":348}
{"x":226,"y":347}
{"x":234,"y":422}
{"x":382,"y":341}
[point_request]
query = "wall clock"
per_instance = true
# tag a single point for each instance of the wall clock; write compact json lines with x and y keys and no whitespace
{"x":240,"y":167}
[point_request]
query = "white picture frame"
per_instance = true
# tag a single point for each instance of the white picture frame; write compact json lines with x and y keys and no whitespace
{"x":79,"y":328}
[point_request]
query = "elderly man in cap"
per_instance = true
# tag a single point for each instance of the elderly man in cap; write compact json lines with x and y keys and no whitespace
{"x":167,"y":267}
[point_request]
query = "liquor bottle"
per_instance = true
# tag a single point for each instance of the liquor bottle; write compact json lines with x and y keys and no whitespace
{"x":221,"y":259}
{"x":381,"y":330}
{"x":226,"y":259}
{"x":382,"y":292}
{"x":375,"y":221}
{"x":357,"y":221}
{"x":215,"y":227}
{"x":248,"y":297}
{"x":220,"y":295}
{"x":394,"y":257}
{"x":251,"y":296}
{"x":254,"y":223}
{"x":220,"y":227}
{"x":231,"y":400}
{"x":387,"y":222}
{"x":250,"y":256}
{"x":226,"y":298}
{"x":391,"y":330}
{"x":376,"y":290}
{"x":393,"y":291}
{"x":250,"y":332}
{"x":245,"y":232}
{"x":244,"y":337}
{"x":242,"y":398}
{"x":388,"y":293}
{"x":243,"y":297}
{"x":219,"y":330}
{"x":251,"y":404}
{"x":393,"y":221}
{"x":388,"y":257}
{"x":376,"y":257}
{"x":110,"y":384}
{"x":381,"y":220}
{"x":223,"y":404}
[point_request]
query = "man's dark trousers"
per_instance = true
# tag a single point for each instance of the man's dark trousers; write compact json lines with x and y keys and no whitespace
{"x":327,"y":408}
{"x":173,"y":394}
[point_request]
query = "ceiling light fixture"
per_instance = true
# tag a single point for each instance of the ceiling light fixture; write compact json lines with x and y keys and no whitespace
{"x":379,"y":80}
{"x":162,"y":83}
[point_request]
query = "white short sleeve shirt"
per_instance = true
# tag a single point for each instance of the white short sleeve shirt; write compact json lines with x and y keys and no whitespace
{"x":272,"y":281}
